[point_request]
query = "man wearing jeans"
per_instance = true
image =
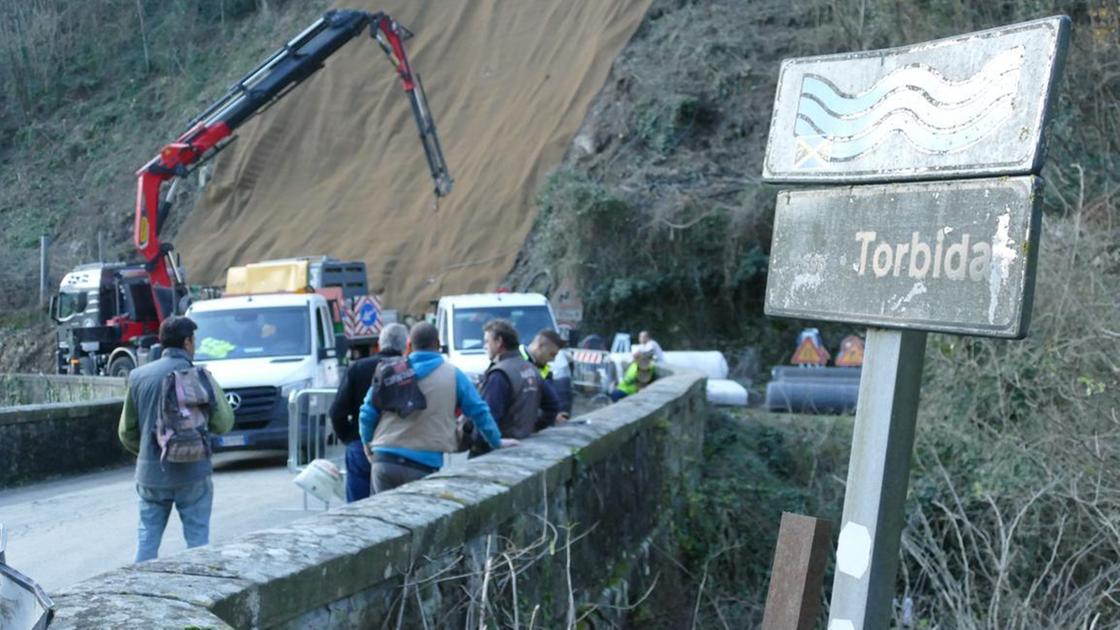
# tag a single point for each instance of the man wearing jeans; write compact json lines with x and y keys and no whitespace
{"x":163,"y":484}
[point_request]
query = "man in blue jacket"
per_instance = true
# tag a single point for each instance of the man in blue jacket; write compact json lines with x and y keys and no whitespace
{"x":408,"y":448}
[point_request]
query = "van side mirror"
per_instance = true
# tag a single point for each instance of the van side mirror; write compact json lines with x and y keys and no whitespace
{"x":341,"y":345}
{"x":52,"y":308}
{"x":444,"y":349}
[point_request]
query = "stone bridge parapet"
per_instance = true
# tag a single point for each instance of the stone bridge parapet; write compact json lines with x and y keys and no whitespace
{"x":56,"y":425}
{"x":564,"y":526}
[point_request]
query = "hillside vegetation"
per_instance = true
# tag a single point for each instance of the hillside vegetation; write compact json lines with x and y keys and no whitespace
{"x":658,"y":212}
{"x":88,"y":93}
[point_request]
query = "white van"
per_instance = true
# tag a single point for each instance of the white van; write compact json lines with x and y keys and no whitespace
{"x":460,"y":319}
{"x":260,"y":348}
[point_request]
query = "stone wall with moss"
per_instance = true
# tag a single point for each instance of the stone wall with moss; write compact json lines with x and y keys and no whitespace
{"x":37,"y":389}
{"x":42,"y":441}
{"x":565,"y":527}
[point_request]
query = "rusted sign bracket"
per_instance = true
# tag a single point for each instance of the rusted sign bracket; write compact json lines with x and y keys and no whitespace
{"x":796,"y":577}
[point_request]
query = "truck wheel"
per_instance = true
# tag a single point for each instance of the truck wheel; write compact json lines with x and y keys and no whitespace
{"x":121,"y":366}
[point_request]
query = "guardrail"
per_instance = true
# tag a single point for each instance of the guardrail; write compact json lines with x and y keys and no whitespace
{"x":309,"y":430}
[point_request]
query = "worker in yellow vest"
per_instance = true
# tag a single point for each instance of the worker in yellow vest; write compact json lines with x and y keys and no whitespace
{"x":641,"y":372}
{"x":541,"y":352}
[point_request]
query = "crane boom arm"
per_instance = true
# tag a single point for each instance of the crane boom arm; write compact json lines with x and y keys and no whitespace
{"x":212,"y":129}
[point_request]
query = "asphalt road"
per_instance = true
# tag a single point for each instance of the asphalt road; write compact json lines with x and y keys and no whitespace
{"x":67,"y":530}
{"x":64,"y":531}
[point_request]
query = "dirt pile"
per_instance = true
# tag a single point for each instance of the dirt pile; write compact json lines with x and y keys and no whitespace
{"x":335,"y":167}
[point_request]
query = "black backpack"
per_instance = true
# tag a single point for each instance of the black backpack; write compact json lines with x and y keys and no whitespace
{"x":396,"y":387}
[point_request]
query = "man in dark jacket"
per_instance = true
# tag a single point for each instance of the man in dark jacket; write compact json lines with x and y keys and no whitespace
{"x":162,"y":484}
{"x":541,"y":352}
{"x":348,"y":404}
{"x":513,"y":386}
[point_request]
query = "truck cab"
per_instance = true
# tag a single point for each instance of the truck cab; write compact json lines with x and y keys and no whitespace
{"x":107,"y":319}
{"x":460,"y":318}
{"x":261,"y":348}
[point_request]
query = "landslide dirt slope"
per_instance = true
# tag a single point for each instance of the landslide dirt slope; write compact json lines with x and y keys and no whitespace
{"x":335,"y":168}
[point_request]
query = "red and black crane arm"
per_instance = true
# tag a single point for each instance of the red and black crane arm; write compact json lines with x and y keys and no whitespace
{"x":212,"y":130}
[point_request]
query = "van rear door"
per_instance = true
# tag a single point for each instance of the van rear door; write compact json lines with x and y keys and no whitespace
{"x":326,"y":371}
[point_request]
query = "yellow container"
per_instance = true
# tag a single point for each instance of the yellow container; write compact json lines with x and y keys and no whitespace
{"x":289,"y":276}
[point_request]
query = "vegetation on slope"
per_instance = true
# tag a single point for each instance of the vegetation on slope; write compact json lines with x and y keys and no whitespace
{"x":658,"y":213}
{"x":88,"y":93}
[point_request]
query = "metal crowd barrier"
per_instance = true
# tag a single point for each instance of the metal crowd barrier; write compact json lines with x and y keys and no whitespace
{"x":310,"y":435}
{"x":593,"y":373}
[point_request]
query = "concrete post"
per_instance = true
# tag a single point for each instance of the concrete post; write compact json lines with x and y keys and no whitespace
{"x":44,"y":269}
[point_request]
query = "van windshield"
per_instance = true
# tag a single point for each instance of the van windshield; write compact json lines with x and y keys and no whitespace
{"x":251,"y":333}
{"x":528,"y":320}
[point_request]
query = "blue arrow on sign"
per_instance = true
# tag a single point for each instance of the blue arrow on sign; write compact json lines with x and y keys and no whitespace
{"x":367,"y":314}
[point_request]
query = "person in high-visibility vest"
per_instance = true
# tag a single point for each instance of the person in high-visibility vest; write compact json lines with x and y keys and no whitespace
{"x":642,"y":372}
{"x":541,"y":352}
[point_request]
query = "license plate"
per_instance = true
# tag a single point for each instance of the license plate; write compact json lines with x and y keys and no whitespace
{"x":232,"y":440}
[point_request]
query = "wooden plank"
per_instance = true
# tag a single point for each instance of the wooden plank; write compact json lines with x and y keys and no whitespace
{"x":794,"y":598}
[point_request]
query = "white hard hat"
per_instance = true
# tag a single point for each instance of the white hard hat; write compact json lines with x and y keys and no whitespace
{"x":322,"y":480}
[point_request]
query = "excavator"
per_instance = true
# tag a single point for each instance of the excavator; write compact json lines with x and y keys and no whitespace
{"x":109,"y":314}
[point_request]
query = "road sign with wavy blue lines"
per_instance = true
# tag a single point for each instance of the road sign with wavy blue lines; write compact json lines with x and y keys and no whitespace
{"x":973,"y":105}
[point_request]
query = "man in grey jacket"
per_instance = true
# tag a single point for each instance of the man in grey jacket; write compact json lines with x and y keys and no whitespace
{"x":163,"y":484}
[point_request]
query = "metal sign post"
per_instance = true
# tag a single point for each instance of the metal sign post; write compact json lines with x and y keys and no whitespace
{"x":878,"y":476}
{"x":44,"y":269}
{"x":906,"y":258}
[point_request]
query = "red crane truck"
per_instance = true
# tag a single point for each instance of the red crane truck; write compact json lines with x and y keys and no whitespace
{"x":109,"y":314}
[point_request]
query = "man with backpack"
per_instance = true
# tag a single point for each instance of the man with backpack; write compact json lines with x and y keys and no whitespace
{"x":408,"y":416}
{"x":170,"y":409}
{"x":347,"y":406}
